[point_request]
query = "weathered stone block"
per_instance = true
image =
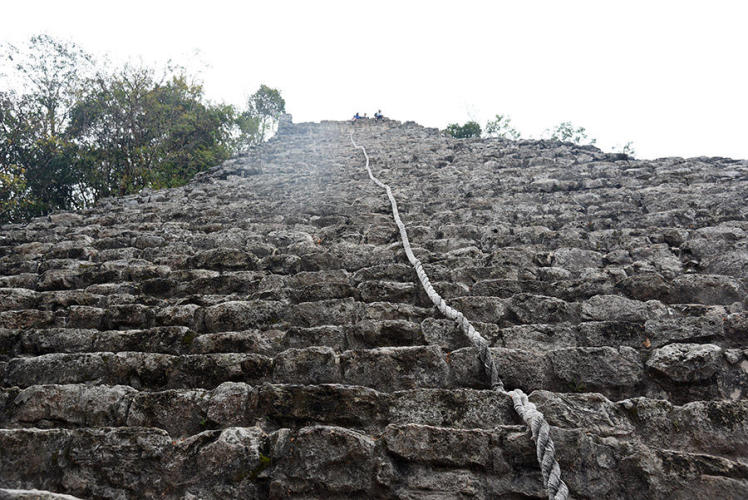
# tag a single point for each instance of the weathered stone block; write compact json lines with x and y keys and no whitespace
{"x":686,"y":362}
{"x":395,"y":368}
{"x":440,"y":445}
{"x":17,"y":298}
{"x":238,"y":315}
{"x":322,"y":458}
{"x":329,"y":403}
{"x":369,"y":333}
{"x":584,"y":368}
{"x":313,"y":365}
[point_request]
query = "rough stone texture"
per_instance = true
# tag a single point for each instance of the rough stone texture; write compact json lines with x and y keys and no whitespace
{"x":259,"y":334}
{"x":686,"y":362}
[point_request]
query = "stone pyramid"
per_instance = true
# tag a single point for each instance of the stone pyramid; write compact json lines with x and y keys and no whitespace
{"x":259,"y":332}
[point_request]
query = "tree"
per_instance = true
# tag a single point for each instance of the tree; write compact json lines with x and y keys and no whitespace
{"x":13,"y":203}
{"x":50,"y":73}
{"x":138,"y":130}
{"x":13,"y":138}
{"x":501,"y":127}
{"x":39,"y":171}
{"x":469,"y":129}
{"x":37,"y":162}
{"x":567,"y":132}
{"x":69,"y":136}
{"x":264,"y":108}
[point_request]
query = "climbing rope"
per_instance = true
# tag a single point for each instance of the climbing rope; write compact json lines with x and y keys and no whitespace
{"x":557,"y":489}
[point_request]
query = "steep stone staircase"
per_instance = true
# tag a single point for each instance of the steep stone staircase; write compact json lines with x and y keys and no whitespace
{"x":259,"y":334}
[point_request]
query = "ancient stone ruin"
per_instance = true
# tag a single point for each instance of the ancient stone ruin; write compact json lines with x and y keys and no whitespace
{"x":259,"y":332}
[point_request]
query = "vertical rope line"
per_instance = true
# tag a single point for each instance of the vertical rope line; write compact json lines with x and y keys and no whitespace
{"x":551,"y":471}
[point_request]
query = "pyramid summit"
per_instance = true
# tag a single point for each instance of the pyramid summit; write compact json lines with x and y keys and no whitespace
{"x":259,"y":332}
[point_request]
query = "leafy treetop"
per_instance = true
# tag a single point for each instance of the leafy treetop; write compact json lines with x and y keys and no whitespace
{"x":70,"y":136}
{"x":468,"y":130}
{"x":501,"y":127}
{"x":567,"y":132}
{"x":264,"y":108}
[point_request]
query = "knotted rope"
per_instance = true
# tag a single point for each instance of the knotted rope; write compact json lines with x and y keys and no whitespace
{"x":557,"y":489}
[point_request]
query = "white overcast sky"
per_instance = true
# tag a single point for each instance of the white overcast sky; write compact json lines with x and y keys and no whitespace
{"x":671,"y":76}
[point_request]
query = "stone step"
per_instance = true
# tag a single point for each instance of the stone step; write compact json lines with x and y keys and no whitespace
{"x":190,"y":411}
{"x":135,"y":462}
{"x":160,"y":281}
{"x":715,"y":427}
{"x":679,"y":372}
{"x":138,"y":370}
{"x":724,"y":331}
{"x":329,"y":461}
{"x":185,"y":412}
{"x":175,"y":340}
{"x":33,"y":342}
{"x":212,"y":314}
{"x":443,"y":461}
{"x":418,"y":366}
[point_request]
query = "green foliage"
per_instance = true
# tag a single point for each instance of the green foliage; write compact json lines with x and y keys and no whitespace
{"x":13,"y":204}
{"x":501,"y":128}
{"x":264,"y":108}
{"x":137,"y":130}
{"x":70,"y":136}
{"x":52,"y":176}
{"x":13,"y":186}
{"x":567,"y":132}
{"x":468,"y":130}
{"x":38,"y":163}
{"x":39,"y":170}
{"x":249,"y":130}
{"x":50,"y":73}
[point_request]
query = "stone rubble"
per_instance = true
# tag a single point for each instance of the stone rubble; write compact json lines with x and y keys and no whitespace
{"x":258,"y":333}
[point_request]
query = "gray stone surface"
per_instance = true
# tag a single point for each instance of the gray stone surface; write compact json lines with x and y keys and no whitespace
{"x":686,"y":362}
{"x":258,"y":333}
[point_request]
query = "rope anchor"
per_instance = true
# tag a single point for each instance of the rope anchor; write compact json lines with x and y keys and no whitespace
{"x":551,"y":471}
